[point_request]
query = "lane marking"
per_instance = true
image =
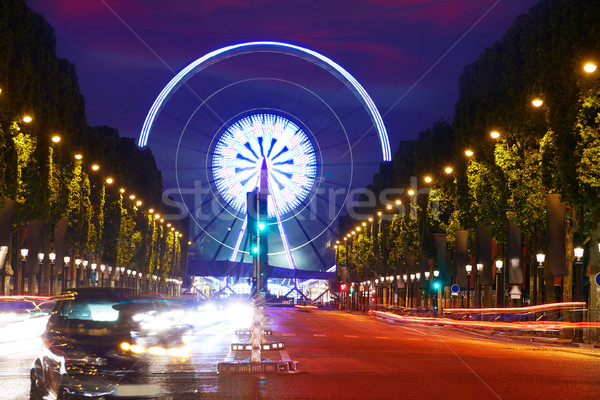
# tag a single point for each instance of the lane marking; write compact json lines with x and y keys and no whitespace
{"x":319,"y":335}
{"x":381,"y":337}
{"x":350,"y":336}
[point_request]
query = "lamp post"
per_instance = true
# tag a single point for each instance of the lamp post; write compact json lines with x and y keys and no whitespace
{"x":540,"y":257}
{"x":405,"y":278}
{"x":412,"y":290}
{"x":398,"y":280}
{"x":578,"y":334}
{"x":122,"y":275}
{"x":84,"y":273}
{"x":78,"y":272}
{"x":41,"y":284}
{"x":65,"y":273}
{"x":478,"y":285}
{"x":102,"y":268}
{"x":154,"y":277}
{"x":109,"y":279}
{"x":3,"y":252}
{"x":139,"y":286}
{"x":93,"y":267}
{"x":21,"y":275}
{"x":437,"y":286}
{"x":468,"y":268}
{"x":427,"y":291}
{"x":53,"y":276}
{"x":128,"y":276}
{"x":499,"y":284}
{"x":418,"y":279}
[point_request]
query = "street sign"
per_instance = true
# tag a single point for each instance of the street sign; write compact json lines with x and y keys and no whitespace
{"x":597,"y":279}
{"x":455,"y":288}
{"x":515,"y":292}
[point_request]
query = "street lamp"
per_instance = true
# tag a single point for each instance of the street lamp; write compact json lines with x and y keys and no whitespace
{"x":102,"y":268}
{"x":540,"y":257}
{"x":53,"y":277}
{"x":41,"y":272}
{"x":405,"y":278}
{"x":468,"y":268}
{"x":110,"y":269}
{"x":77,"y":272}
{"x":94,"y":276}
{"x":418,"y":279}
{"x":578,"y":334}
{"x":21,"y":275}
{"x":412,"y":290}
{"x":84,"y":272}
{"x":122,"y":276}
{"x":427,"y":291}
{"x":499,"y":284}
{"x":478,"y":285}
{"x":65,"y":273}
{"x":589,"y":67}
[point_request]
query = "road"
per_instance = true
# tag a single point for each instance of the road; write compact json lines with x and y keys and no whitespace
{"x":355,"y":356}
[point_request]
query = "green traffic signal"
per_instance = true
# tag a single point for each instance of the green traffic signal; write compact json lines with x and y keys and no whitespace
{"x":436,"y":285}
{"x":261,"y":226}
{"x":255,"y":249}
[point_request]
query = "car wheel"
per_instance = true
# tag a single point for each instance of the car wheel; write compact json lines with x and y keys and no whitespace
{"x":35,"y":392}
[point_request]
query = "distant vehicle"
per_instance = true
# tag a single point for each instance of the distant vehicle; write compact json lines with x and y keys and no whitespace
{"x":18,"y":308}
{"x":103,"y":343}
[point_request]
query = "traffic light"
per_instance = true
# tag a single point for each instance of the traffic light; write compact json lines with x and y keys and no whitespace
{"x":261,"y":226}
{"x":343,"y":287}
{"x":436,"y":285}
{"x":254,"y":249}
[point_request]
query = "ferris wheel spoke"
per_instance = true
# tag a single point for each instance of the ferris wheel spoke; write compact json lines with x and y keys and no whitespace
{"x":224,"y":240}
{"x":312,"y":244}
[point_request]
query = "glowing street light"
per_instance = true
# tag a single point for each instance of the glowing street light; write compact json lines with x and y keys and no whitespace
{"x":495,"y":134}
{"x":428,"y":179}
{"x":589,"y":67}
{"x":55,"y":139}
{"x":109,"y":180}
{"x":27,"y":119}
{"x":95,"y":167}
{"x":537,"y":102}
{"x":448,"y":170}
{"x":78,"y":156}
{"x":469,"y":153}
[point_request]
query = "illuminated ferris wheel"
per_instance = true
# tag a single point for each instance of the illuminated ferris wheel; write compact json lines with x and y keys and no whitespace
{"x":290,"y":156}
{"x":313,"y":124}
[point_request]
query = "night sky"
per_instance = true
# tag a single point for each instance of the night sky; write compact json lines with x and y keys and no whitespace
{"x":126,"y":51}
{"x":407,"y":54}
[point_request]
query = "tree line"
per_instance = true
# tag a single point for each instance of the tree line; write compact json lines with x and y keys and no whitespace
{"x":552,"y":148}
{"x":54,"y":167}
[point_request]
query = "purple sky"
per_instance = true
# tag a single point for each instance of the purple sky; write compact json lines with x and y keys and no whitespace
{"x":126,"y":51}
{"x":407,"y":54}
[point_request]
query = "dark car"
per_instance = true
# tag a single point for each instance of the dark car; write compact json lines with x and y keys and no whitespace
{"x":103,"y":343}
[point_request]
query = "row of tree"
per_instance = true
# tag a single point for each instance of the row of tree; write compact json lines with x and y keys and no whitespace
{"x":42,"y":180}
{"x":554,"y":148}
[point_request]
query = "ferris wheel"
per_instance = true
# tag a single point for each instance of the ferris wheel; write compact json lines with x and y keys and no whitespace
{"x":305,"y":117}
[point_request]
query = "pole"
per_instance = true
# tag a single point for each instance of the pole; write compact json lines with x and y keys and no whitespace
{"x":468,"y":290}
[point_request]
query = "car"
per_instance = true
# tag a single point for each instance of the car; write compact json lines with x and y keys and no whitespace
{"x":104,"y":343}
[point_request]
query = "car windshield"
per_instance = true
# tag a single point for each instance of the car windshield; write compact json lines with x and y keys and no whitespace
{"x":97,"y":310}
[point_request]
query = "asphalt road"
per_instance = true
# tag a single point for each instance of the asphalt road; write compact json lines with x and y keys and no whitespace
{"x":352,"y":356}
